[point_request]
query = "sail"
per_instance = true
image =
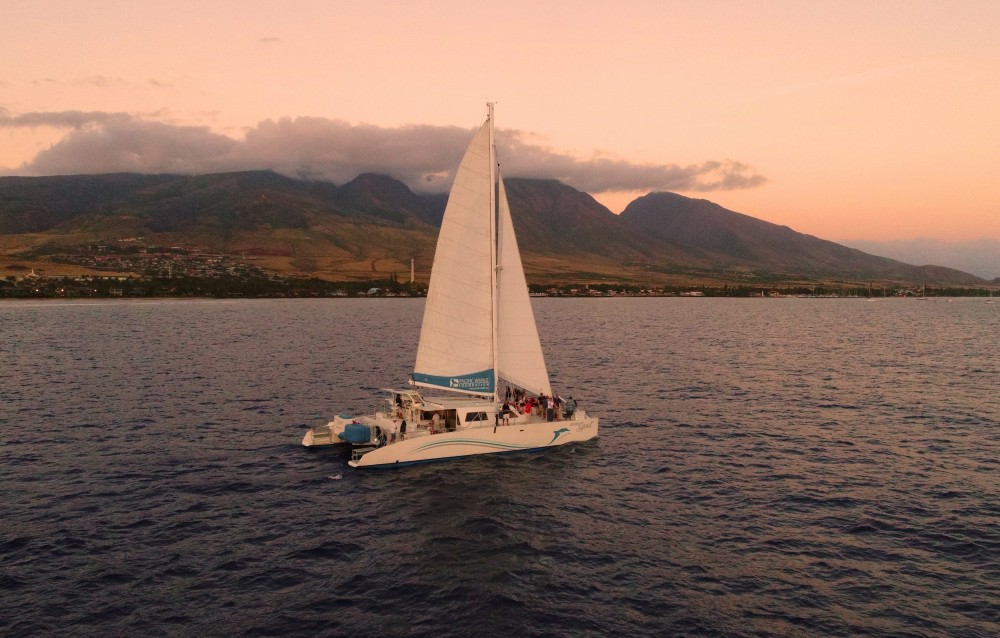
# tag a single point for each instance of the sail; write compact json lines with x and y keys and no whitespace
{"x":456,"y":338}
{"x":519,"y":352}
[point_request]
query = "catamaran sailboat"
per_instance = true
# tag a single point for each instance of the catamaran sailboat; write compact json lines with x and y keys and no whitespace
{"x":478,"y":330}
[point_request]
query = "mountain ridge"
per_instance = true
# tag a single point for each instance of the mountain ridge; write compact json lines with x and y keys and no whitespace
{"x":375,"y":223}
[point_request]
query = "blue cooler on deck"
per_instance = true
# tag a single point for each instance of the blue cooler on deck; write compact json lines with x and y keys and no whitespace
{"x":356,"y":433}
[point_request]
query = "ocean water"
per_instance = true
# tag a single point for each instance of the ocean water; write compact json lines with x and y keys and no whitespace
{"x":766,"y":467}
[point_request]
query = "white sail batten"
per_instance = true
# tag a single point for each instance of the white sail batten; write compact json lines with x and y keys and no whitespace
{"x":519,"y":356}
{"x":456,"y":338}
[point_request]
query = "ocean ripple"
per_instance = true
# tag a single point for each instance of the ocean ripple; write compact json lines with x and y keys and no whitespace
{"x":809,"y":467}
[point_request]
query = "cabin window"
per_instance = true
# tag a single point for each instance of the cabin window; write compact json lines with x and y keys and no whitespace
{"x":475,"y":416}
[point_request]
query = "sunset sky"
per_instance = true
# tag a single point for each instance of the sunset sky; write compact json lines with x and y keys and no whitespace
{"x":843,"y":119}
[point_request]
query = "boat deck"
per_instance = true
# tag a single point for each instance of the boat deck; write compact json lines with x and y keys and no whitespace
{"x":524,"y":419}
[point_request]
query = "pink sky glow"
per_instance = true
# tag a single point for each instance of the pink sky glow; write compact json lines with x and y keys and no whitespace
{"x":843,"y":119}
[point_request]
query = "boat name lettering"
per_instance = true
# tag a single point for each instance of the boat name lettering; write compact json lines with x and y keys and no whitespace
{"x":474,"y":383}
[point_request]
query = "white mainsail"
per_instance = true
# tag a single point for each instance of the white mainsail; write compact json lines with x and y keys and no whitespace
{"x":456,"y":338}
{"x":519,"y":357}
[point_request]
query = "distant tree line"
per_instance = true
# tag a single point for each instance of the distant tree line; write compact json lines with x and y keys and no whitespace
{"x":262,"y":285}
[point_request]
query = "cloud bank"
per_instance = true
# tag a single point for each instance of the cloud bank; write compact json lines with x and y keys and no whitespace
{"x":424,"y":157}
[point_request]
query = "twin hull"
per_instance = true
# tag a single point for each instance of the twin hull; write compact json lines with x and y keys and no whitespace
{"x":517,"y":437}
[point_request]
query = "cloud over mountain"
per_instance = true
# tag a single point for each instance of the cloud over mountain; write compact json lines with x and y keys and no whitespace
{"x":424,"y":157}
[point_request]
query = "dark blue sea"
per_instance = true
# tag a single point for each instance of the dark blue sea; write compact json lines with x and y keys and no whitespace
{"x":765,"y":467}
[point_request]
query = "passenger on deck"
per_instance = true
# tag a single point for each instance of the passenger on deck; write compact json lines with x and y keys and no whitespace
{"x":435,"y":418}
{"x":569,"y":408}
{"x":505,"y":413}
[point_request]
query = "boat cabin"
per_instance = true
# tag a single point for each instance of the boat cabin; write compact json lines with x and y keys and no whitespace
{"x":442,"y":414}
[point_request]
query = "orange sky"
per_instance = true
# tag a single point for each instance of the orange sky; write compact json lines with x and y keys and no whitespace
{"x":867,"y":120}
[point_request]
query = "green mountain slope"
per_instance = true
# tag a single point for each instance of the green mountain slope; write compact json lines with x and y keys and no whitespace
{"x":375,"y":225}
{"x":733,"y":240}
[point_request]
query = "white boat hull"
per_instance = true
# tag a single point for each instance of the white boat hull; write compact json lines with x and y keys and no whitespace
{"x":534,"y":435}
{"x":322,"y":436}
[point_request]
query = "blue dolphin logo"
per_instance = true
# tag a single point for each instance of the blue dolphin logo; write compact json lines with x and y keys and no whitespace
{"x":556,"y":434}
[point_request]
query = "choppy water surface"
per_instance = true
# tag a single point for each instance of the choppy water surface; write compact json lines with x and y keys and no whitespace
{"x":765,"y":467}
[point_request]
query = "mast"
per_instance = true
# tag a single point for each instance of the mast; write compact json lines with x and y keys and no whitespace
{"x":494,"y":267}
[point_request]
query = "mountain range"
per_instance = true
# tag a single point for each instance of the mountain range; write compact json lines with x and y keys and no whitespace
{"x":375,"y":225}
{"x":981,"y":257}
